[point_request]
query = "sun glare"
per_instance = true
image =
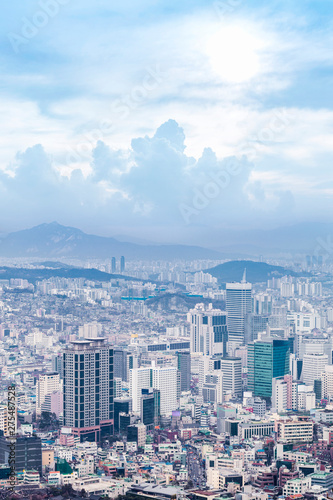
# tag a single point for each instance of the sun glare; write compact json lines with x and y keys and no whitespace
{"x":233,"y":54}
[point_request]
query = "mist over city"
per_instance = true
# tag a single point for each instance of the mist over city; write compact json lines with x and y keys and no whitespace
{"x":166,"y":250}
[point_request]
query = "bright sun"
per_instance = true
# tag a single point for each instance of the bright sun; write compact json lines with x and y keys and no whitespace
{"x":233,"y":54}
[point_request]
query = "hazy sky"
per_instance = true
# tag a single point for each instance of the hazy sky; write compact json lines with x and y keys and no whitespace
{"x":159,"y":118}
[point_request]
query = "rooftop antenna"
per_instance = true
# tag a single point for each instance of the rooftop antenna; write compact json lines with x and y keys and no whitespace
{"x":244,"y":276}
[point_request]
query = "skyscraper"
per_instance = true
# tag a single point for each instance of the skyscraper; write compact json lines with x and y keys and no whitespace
{"x":184,"y":368}
{"x":267,"y":359}
{"x":208,"y":330}
{"x":113,"y":265}
{"x":139,"y":378}
{"x":123,"y":361}
{"x":150,"y":407}
{"x":88,"y":388}
{"x":238,"y":304}
{"x":122,"y":264}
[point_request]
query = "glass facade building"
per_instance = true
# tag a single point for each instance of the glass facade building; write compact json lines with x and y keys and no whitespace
{"x":267,"y":359}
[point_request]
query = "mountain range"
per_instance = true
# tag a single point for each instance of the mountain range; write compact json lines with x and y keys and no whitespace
{"x":56,"y":241}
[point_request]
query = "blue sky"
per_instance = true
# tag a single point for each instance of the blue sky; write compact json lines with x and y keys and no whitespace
{"x":165,"y":121}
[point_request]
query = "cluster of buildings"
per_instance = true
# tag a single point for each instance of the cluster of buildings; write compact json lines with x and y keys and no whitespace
{"x":121,"y":390}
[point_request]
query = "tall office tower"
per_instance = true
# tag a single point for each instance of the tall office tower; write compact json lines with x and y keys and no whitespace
{"x":267,"y":359}
{"x":313,"y":367}
{"x":139,"y":378}
{"x":150,"y":408}
{"x":164,"y":379}
{"x":184,"y":368}
{"x":232,"y":375}
{"x":113,"y":265}
{"x":28,"y":453}
{"x":123,"y":361}
{"x":47,"y":384}
{"x":119,"y":363}
{"x":122,"y":264}
{"x":239,"y":305}
{"x":88,"y":388}
{"x":208,"y":330}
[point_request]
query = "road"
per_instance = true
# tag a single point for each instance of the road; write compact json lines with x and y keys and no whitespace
{"x":196,"y":471}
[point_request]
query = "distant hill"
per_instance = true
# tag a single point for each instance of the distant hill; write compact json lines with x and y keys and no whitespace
{"x":256,"y":272}
{"x":33,"y":275}
{"x":56,"y":241}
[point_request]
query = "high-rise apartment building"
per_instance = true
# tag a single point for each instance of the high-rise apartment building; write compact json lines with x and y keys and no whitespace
{"x":267,"y":359}
{"x":208,"y":330}
{"x":113,"y":265}
{"x":122,"y":264}
{"x":239,"y":305}
{"x":88,"y":388}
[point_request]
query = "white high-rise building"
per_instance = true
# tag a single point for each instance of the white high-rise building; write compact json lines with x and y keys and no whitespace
{"x":47,"y":384}
{"x":232,"y":375}
{"x":327,"y":382}
{"x":139,"y":378}
{"x":239,"y":305}
{"x":165,"y":379}
{"x":208,"y":330}
{"x":313,"y":367}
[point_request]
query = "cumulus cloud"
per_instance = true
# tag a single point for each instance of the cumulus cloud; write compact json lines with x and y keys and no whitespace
{"x":152,"y":183}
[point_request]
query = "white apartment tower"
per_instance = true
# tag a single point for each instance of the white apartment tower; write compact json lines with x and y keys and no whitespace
{"x":208,"y":330}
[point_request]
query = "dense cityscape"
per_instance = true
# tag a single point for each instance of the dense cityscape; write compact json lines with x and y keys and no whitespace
{"x":181,"y":386}
{"x":166,"y":250}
